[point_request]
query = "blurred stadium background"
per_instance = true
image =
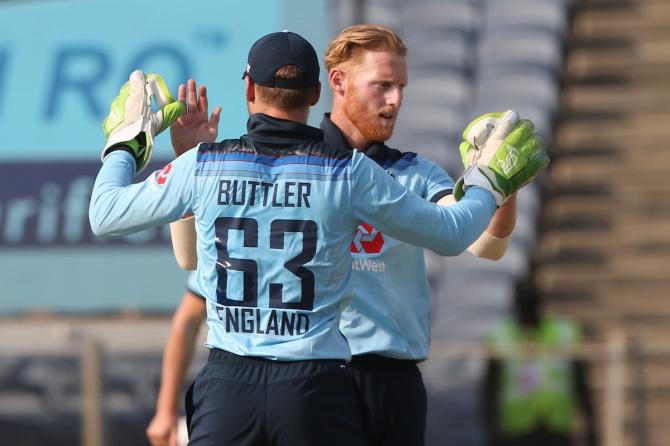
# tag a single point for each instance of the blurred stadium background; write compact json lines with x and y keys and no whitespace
{"x":83,"y":321}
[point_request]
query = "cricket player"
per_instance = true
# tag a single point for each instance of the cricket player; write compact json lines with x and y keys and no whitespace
{"x":387,"y":323}
{"x":274,"y":212}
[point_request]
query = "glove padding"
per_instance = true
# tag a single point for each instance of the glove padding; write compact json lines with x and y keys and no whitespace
{"x":500,"y":154}
{"x":132,"y":123}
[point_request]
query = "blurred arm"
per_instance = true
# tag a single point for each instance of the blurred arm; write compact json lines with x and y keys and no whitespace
{"x":177,"y":356}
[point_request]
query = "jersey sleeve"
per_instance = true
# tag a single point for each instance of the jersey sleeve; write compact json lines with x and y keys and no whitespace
{"x":404,"y":215}
{"x":119,"y":208}
{"x":438,"y":182}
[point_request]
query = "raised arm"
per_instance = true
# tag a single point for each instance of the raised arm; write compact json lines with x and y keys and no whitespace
{"x":493,"y":242}
{"x":384,"y":203}
{"x":188,"y":131}
{"x":505,"y":156}
{"x":117,"y":206}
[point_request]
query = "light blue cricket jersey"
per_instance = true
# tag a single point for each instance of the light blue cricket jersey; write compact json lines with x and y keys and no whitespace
{"x":275,"y":212}
{"x":389,"y":313}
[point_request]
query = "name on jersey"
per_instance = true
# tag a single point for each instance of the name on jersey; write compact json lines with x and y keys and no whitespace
{"x":287,"y":194}
{"x":250,"y":320}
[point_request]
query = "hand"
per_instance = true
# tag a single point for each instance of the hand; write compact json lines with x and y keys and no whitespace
{"x":162,"y":430}
{"x":485,"y":134}
{"x":501,"y":154}
{"x":193,"y":127}
{"x":131,"y":122}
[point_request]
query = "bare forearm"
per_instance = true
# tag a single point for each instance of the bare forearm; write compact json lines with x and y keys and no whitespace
{"x":493,"y":242}
{"x":503,"y":221}
{"x":177,"y":357}
{"x":184,"y":241}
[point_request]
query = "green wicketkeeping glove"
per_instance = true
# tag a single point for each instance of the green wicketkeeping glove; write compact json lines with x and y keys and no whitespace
{"x":500,"y":154}
{"x":132,"y":123}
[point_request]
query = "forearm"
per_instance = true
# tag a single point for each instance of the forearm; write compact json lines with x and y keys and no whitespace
{"x":449,"y":230}
{"x":402,"y":214}
{"x":489,"y":247}
{"x":176,"y":359}
{"x":184,"y":241}
{"x":492,"y":243}
{"x":503,"y":221}
{"x":119,"y":208}
{"x":478,"y":207}
{"x":115,"y":174}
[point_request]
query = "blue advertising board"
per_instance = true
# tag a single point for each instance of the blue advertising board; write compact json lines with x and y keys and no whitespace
{"x":61,"y":64}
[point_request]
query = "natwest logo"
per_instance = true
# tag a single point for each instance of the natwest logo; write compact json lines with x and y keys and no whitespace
{"x":367,"y":240}
{"x":162,"y":175}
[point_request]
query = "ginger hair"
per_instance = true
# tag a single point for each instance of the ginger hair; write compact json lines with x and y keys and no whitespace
{"x":351,"y":41}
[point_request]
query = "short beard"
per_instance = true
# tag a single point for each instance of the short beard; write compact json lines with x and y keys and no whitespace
{"x":366,"y":123}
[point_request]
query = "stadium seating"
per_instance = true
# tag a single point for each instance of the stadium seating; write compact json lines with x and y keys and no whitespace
{"x":468,"y":57}
{"x":605,"y":267}
{"x":604,"y":254}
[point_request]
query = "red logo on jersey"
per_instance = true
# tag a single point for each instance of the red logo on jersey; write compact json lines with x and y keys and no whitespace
{"x":161,"y":175}
{"x":367,"y":240}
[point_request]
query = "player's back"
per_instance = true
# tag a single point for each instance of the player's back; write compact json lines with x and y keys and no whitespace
{"x":274,"y":223}
{"x":275,"y":212}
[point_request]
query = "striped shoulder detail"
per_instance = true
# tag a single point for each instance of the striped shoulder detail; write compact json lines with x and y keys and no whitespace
{"x":233,"y":156}
{"x":387,"y":157}
{"x":405,"y":160}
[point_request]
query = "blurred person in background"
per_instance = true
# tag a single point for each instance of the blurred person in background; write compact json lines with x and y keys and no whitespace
{"x":387,"y":323}
{"x":533,"y":385}
{"x":179,"y":347}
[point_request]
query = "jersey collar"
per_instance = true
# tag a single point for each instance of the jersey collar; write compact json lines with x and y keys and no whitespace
{"x":378,"y":151}
{"x":264,"y":127}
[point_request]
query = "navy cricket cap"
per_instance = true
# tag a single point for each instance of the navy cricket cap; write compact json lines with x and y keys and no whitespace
{"x":276,"y":50}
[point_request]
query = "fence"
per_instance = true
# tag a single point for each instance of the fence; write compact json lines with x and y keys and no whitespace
{"x":629,"y":380}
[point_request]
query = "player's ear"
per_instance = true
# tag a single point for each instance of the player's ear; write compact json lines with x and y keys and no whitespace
{"x":250,"y":91}
{"x":336,"y":80}
{"x":317,"y":95}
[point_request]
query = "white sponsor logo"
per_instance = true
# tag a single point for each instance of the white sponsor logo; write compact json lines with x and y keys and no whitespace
{"x":375,"y":266}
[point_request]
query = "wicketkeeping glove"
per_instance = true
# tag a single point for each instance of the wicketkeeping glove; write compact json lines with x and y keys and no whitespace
{"x":500,"y":153}
{"x":132,"y":123}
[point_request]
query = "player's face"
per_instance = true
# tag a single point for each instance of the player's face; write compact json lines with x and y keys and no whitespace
{"x":374,"y":93}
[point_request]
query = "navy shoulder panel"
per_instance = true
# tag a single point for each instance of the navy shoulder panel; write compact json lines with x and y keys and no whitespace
{"x":278,"y":148}
{"x":386,"y":157}
{"x":227,"y":145}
